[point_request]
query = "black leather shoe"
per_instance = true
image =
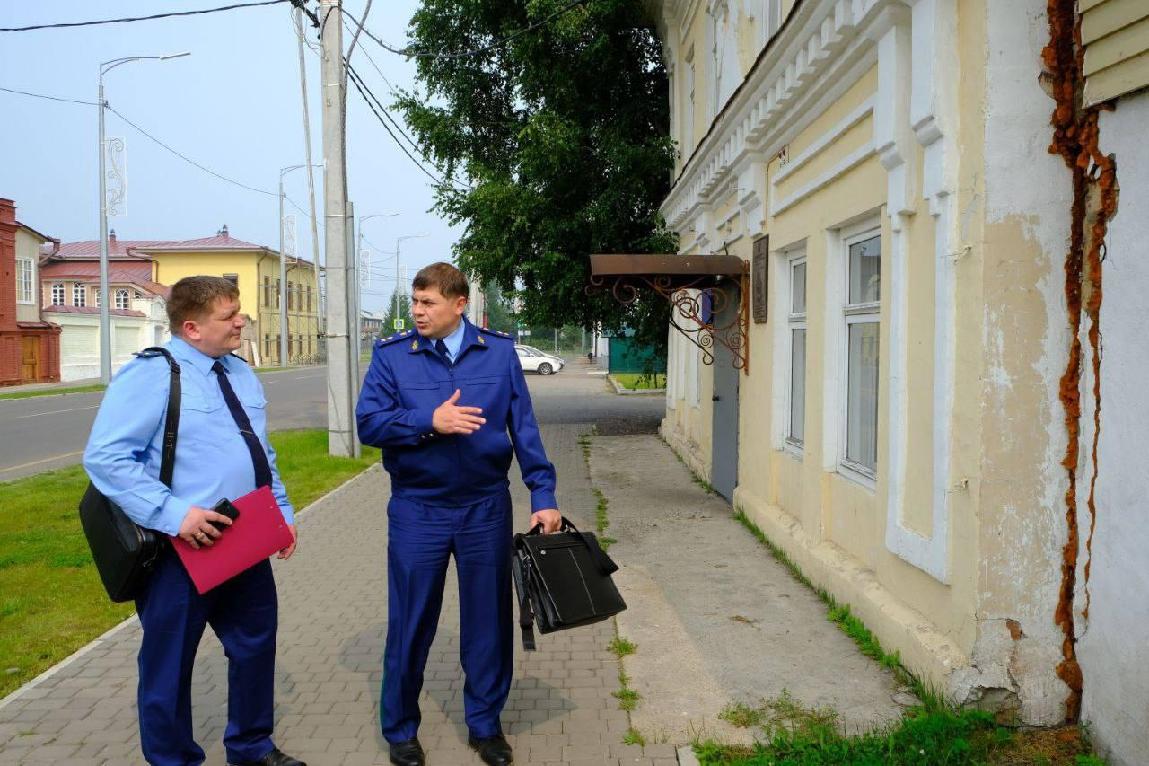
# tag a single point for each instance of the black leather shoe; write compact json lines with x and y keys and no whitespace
{"x":408,"y":753}
{"x":493,"y":750}
{"x":274,"y":758}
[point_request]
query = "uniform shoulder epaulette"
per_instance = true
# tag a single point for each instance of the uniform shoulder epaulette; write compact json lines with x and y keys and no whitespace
{"x":495,"y":333}
{"x":401,"y":335}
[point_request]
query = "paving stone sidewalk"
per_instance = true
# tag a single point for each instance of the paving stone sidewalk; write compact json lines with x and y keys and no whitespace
{"x":332,"y":626}
{"x":716,"y":621}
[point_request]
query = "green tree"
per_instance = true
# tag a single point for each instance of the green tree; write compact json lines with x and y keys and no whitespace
{"x":549,"y":121}
{"x":388,"y":328}
{"x":499,"y":316}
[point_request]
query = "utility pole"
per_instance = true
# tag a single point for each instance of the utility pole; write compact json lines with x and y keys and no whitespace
{"x":310,"y":175}
{"x":340,"y":403}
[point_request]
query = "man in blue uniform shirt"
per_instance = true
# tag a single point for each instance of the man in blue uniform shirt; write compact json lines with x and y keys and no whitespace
{"x":221,"y":451}
{"x":449,"y":404}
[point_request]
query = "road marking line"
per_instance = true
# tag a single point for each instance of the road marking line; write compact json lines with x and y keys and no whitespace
{"x":56,"y":412}
{"x":44,"y":460}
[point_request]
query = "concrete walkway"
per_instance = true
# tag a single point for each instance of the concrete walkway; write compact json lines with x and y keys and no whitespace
{"x":692,"y":659}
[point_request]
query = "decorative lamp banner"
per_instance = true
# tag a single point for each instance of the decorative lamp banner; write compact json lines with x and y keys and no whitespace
{"x":289,"y":235}
{"x":115,"y":176}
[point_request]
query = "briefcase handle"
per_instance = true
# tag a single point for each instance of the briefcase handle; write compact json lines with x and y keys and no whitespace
{"x":605,"y":563}
{"x":565,"y":526}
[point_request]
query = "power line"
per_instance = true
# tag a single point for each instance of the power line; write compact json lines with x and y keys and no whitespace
{"x":150,"y":137}
{"x":187,"y":159}
{"x":413,"y":53}
{"x":71,"y":24}
{"x":362,"y":88}
{"x":391,"y":87}
{"x":386,"y":113}
{"x":50,"y":98}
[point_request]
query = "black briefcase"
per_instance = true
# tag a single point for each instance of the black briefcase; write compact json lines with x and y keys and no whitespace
{"x":563,"y":581}
{"x":125,"y":553}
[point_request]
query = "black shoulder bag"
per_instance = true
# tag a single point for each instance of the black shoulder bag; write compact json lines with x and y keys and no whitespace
{"x":125,"y":553}
{"x":562,"y":580}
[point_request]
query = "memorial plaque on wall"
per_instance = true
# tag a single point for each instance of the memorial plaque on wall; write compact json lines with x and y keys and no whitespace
{"x":759,"y":269}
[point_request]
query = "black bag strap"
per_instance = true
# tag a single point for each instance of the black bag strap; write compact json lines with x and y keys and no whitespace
{"x":519,"y":572}
{"x":172,"y":422}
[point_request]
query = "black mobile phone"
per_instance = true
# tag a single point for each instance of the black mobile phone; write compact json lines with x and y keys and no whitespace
{"x":225,"y":508}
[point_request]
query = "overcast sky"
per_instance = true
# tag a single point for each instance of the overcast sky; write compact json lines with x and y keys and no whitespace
{"x":233,"y":106}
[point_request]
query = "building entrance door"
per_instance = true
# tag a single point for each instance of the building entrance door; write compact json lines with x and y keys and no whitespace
{"x":724,"y":470}
{"x":30,"y":359}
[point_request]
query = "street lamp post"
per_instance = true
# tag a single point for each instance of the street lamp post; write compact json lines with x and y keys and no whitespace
{"x":282,"y":292}
{"x":105,"y":310}
{"x":398,"y":241}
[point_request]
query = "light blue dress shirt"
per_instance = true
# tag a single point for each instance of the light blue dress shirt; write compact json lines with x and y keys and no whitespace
{"x":212,"y":461}
{"x":454,"y":341}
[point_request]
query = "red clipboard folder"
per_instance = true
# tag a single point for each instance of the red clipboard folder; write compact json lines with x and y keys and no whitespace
{"x":256,"y":534}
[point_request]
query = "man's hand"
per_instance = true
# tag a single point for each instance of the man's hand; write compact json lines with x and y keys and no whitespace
{"x":451,"y":419}
{"x":286,"y":552}
{"x":550,"y":518}
{"x":197,"y":529}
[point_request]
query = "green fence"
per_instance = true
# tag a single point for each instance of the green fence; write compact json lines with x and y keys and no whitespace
{"x":628,"y":356}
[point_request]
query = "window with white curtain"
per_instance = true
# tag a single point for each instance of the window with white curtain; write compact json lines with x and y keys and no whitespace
{"x":25,"y":278}
{"x":79,"y":295}
{"x":861,"y":314}
{"x":122,"y":299}
{"x":723,"y":38}
{"x":769,"y":19}
{"x":796,"y":318}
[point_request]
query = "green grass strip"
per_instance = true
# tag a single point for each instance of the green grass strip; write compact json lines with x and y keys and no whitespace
{"x":51,"y":392}
{"x":51,"y":599}
{"x":637,"y":381}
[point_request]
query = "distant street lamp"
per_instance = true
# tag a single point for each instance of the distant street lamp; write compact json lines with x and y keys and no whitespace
{"x":105,"y":311}
{"x":283,"y":337}
{"x":397,"y":243}
{"x":359,"y":251}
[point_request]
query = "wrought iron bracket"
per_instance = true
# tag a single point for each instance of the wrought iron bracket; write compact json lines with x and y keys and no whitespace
{"x":697,"y":301}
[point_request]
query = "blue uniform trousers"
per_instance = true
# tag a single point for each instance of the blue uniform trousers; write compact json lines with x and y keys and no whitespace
{"x":243,"y":613}
{"x":420,"y":540}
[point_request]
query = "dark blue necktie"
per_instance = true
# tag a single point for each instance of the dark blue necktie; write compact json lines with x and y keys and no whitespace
{"x":258,"y":456}
{"x":441,"y":347}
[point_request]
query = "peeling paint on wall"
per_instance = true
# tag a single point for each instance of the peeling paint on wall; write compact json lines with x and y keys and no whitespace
{"x":1076,"y":140}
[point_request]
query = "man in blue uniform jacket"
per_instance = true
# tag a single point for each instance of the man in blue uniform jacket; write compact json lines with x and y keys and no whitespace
{"x":448,"y":404}
{"x":221,"y":451}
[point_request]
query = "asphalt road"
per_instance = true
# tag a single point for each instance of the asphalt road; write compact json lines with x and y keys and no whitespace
{"x":47,"y":432}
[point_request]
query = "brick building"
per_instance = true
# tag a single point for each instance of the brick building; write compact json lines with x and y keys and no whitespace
{"x":29,"y":346}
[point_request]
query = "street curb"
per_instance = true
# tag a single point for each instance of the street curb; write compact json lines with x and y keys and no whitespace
{"x":108,"y":634}
{"x":621,"y":391}
{"x":686,"y":756}
{"x":64,"y":663}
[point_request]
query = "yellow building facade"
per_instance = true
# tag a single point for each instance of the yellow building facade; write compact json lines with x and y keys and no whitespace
{"x":898,"y":431}
{"x":256,"y":271}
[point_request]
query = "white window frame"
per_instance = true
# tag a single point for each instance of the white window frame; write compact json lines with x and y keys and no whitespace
{"x":25,"y":280}
{"x":58,"y":294}
{"x":79,"y":295}
{"x":851,"y":314}
{"x":123,"y":294}
{"x":795,"y":320}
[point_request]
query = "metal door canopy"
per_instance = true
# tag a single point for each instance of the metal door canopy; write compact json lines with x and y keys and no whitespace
{"x":673,"y":277}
